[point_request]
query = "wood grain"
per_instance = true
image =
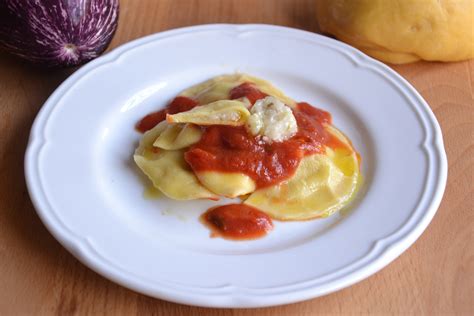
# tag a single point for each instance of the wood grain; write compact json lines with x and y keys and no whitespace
{"x":37,"y":276}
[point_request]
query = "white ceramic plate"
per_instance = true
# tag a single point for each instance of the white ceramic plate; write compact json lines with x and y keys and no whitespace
{"x":89,"y":194}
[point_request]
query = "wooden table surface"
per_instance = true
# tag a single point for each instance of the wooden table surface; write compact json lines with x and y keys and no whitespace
{"x":38,"y":276}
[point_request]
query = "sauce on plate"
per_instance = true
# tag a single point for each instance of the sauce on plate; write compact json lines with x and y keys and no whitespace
{"x":179,"y":104}
{"x":237,"y":222}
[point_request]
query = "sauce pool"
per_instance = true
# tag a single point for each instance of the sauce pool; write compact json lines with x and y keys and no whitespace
{"x":237,"y":222}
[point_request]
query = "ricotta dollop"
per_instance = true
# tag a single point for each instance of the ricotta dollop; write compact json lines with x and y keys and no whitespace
{"x":272,"y":119}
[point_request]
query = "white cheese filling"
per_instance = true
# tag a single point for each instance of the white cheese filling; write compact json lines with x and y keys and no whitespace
{"x":272,"y":119}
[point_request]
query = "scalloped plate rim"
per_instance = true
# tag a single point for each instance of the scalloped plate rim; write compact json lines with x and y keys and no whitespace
{"x":384,"y":250}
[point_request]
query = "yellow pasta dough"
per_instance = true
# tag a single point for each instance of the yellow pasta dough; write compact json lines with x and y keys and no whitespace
{"x":223,"y":112}
{"x":322,"y":185}
{"x":168,"y":170}
{"x":218,"y":88}
{"x":177,"y":136}
{"x":228,"y":184}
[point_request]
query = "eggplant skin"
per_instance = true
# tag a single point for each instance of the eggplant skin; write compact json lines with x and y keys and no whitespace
{"x":57,"y":33}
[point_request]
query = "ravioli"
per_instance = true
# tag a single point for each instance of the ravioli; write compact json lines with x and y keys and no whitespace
{"x":238,"y":136}
{"x":168,"y":171}
{"x":218,"y":88}
{"x":223,"y":112}
{"x":322,"y":185}
{"x":228,"y":184}
{"x":177,"y":136}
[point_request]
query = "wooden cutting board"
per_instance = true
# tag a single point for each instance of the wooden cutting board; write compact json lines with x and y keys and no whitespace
{"x":37,"y":276}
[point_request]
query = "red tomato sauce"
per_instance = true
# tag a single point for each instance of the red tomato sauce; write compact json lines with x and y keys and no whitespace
{"x":247,"y":90}
{"x":234,"y":149}
{"x":179,"y":104}
{"x":237,"y":222}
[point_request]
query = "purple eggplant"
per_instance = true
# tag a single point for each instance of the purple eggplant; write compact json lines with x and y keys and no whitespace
{"x":57,"y":32}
